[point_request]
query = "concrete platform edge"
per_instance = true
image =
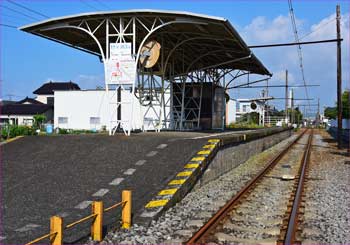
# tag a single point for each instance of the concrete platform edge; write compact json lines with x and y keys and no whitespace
{"x":192,"y":171}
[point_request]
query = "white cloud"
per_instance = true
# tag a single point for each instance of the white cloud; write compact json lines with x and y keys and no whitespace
{"x":55,"y":80}
{"x":263,"y":30}
{"x":90,"y":81}
{"x":319,"y":60}
{"x":281,"y":76}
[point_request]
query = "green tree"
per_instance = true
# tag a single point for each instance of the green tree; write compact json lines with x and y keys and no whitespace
{"x":332,"y":112}
{"x":295,"y":114}
{"x":345,"y":100}
{"x":39,"y":119}
{"x":252,"y":117}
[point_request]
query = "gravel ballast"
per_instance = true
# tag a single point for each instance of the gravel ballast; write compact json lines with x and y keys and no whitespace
{"x":178,"y":223}
{"x":327,"y":202}
{"x":326,"y":218}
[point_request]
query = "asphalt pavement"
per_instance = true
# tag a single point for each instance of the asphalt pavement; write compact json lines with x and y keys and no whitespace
{"x":42,"y":176}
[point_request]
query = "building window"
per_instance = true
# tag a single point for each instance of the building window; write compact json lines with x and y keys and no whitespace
{"x":28,"y":122}
{"x":50,"y":100}
{"x":62,"y":120}
{"x":94,"y":120}
{"x":237,"y":106}
{"x":244,"y":108}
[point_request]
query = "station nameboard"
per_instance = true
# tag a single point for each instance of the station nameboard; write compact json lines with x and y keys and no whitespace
{"x":119,"y":49}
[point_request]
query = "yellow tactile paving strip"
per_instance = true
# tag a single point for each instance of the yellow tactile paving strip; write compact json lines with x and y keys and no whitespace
{"x":186,"y":174}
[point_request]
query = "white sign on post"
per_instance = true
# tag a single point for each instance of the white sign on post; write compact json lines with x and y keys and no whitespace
{"x":120,"y":49}
{"x":121,"y":67}
{"x":121,"y":71}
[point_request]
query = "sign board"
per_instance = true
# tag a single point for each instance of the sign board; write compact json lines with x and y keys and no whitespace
{"x":121,"y":67}
{"x":121,"y":71}
{"x":119,"y":49}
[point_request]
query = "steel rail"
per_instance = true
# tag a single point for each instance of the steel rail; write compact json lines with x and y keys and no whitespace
{"x":214,"y":221}
{"x":289,"y":236}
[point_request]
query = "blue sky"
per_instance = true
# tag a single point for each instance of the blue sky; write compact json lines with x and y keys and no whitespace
{"x":28,"y":61}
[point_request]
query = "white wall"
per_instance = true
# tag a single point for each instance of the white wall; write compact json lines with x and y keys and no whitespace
{"x":79,"y":105}
{"x":27,"y":120}
{"x":43,"y":98}
{"x":230,"y":112}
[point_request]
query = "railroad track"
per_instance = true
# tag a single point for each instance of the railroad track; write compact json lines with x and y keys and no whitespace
{"x":268,"y":208}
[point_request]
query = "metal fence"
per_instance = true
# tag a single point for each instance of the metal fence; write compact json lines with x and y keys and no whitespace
{"x":57,"y":228}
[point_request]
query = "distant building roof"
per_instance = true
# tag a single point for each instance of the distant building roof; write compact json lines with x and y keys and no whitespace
{"x":6,"y":102}
{"x":24,"y":109}
{"x":27,"y":100}
{"x":50,"y":87}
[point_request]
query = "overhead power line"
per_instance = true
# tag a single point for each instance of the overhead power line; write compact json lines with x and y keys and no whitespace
{"x":16,"y":17}
{"x":19,"y":12}
{"x":10,"y":16}
{"x":308,"y":105}
{"x":12,"y":22}
{"x":279,"y":86}
{"x":103,"y":4}
{"x":293,"y":44}
{"x":89,"y":5}
{"x":10,"y":26}
{"x":318,"y":28}
{"x":248,"y":83}
{"x":28,"y":9}
{"x":289,"y":98}
{"x":292,"y":16}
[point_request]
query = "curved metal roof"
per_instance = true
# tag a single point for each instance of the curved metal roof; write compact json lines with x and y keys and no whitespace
{"x":195,"y":42}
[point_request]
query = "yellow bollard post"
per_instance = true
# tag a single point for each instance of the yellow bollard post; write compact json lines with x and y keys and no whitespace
{"x":96,"y":227}
{"x":126,"y":211}
{"x":56,"y":226}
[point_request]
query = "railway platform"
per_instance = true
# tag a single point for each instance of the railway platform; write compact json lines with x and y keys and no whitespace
{"x":61,"y":175}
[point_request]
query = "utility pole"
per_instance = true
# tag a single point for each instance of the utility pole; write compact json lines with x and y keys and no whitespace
{"x":304,"y":115}
{"x":339,"y":78}
{"x":286,"y":109}
{"x":318,"y":113}
{"x":292,"y":106}
{"x":267,"y":102}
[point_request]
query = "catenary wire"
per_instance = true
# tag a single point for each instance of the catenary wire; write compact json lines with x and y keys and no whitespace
{"x":28,"y":9}
{"x":89,"y":5}
{"x":10,"y":26}
{"x":294,"y":26}
{"x":103,"y":4}
{"x":19,"y":12}
{"x":318,"y":28}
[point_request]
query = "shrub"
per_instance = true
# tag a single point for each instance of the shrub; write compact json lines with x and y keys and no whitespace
{"x":62,"y":131}
{"x":244,"y":125}
{"x":16,"y":130}
{"x":82,"y":131}
{"x":39,"y":119}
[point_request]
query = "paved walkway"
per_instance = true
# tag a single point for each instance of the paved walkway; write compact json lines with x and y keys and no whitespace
{"x":60,"y":175}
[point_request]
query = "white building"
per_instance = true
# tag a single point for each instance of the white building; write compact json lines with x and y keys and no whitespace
{"x":88,"y":109}
{"x":231,"y":111}
{"x":23,"y":112}
{"x":45,"y":93}
{"x":258,"y":105}
{"x":244,"y":106}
